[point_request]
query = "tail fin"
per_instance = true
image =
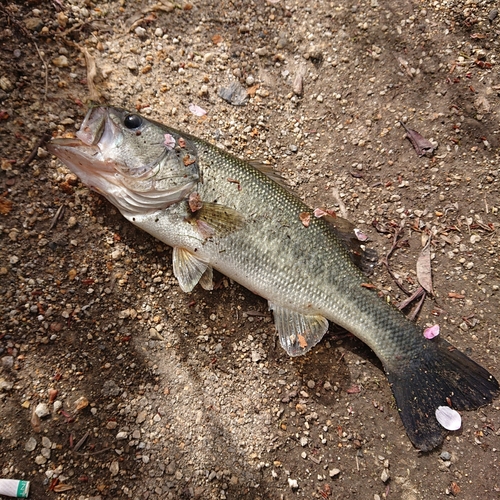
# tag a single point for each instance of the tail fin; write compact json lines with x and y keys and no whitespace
{"x":424,"y":384}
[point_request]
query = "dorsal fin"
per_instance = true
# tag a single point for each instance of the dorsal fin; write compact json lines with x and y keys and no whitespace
{"x":269,"y":171}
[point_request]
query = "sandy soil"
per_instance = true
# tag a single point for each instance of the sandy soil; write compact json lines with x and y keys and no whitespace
{"x":148,"y":393}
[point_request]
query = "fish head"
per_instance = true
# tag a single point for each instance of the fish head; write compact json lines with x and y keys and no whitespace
{"x":137,"y":164}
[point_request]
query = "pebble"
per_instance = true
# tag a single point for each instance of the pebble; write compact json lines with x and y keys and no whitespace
{"x":114,"y":468}
{"x":311,"y":384}
{"x":42,"y":410}
{"x":46,"y":443}
{"x":293,"y":483}
{"x":158,"y":32}
{"x":40,"y":460}
{"x":385,"y":476}
{"x":445,"y":456}
{"x":334,"y":472}
{"x":60,"y":61}
{"x":141,"y":417}
{"x":262,"y":51}
{"x":256,"y":357}
{"x":140,"y":31}
{"x":121,"y":436}
{"x":6,"y":84}
{"x":303,"y":441}
{"x":30,"y":444}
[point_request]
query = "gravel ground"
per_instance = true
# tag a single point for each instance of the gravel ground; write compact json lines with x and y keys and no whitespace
{"x":114,"y":383}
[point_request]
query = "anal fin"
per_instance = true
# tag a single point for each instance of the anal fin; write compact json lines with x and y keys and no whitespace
{"x":189,"y":270}
{"x":298,"y":332}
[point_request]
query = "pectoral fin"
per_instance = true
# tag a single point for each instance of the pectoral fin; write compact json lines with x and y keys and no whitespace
{"x":189,"y":270}
{"x":298,"y":332}
{"x":213,"y":219}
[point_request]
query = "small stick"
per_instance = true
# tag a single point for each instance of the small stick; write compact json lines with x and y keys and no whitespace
{"x":45,"y":137}
{"x":46,"y":71}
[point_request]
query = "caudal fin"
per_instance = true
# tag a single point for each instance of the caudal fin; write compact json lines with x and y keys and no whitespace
{"x":424,"y":384}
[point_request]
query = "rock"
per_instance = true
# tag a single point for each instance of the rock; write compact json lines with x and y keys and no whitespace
{"x":334,"y":472}
{"x":42,"y":410}
{"x":293,"y":483}
{"x":385,"y":476}
{"x":60,"y":61}
{"x":114,"y":468}
{"x":445,"y":456}
{"x":141,"y":417}
{"x":40,"y":460}
{"x":30,"y":444}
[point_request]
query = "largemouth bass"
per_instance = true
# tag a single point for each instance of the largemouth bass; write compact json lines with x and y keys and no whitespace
{"x":219,"y":212}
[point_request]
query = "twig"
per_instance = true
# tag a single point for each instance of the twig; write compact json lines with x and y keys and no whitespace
{"x":91,"y":74}
{"x":411,"y":298}
{"x":46,"y":71}
{"x":385,"y":261}
{"x":56,"y":218}
{"x":45,"y":137}
{"x":415,"y":311}
{"x":80,"y":443}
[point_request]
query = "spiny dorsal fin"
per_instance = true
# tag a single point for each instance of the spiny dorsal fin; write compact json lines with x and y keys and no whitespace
{"x":270,"y":172}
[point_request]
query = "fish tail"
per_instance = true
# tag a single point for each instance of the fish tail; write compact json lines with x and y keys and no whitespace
{"x":439,"y":376}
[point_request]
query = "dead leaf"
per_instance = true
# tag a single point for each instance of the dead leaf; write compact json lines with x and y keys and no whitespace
{"x":5,"y":205}
{"x":424,"y":273}
{"x":354,"y":390}
{"x":36,"y":423}
{"x":368,"y":285}
{"x":305,"y":218}
{"x":302,"y":341}
{"x":216,"y":39}
{"x":60,"y":488}
{"x":195,"y":202}
{"x":421,"y":145}
{"x":453,"y":295}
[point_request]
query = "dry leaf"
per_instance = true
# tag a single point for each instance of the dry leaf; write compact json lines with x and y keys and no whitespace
{"x":305,"y":218}
{"x":5,"y":205}
{"x":454,"y":295}
{"x":302,"y":341}
{"x":60,"y":488}
{"x":421,"y":145}
{"x":367,"y":285}
{"x":424,"y":274}
{"x":216,"y":39}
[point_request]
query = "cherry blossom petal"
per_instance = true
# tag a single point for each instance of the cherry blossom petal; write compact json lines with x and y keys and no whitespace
{"x":169,"y":141}
{"x":450,"y":419}
{"x":196,"y":110}
{"x":430,"y":333}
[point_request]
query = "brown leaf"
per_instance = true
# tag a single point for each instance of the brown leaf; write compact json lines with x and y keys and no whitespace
{"x":455,"y":489}
{"x":60,"y":488}
{"x":454,"y":295}
{"x":305,"y":218}
{"x":195,"y":202}
{"x":5,"y":205}
{"x":36,"y":423}
{"x":302,"y":341}
{"x":421,"y":145}
{"x":424,"y":273}
{"x":354,"y":390}
{"x":216,"y":39}
{"x":368,"y":285}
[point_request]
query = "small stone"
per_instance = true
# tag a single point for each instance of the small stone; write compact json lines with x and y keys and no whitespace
{"x":114,"y":468}
{"x":256,"y":357}
{"x":334,"y":472}
{"x":7,"y":362}
{"x":30,"y":444}
{"x":293,"y":148}
{"x":445,"y":456}
{"x":46,"y":443}
{"x":158,"y":32}
{"x":57,"y":405}
{"x":45,"y":453}
{"x":141,"y":417}
{"x":303,"y":441}
{"x":121,"y":436}
{"x":42,"y":410}
{"x":140,"y":31}
{"x":40,"y":460}
{"x":60,"y":61}
{"x":145,"y":459}
{"x":111,"y":425}
{"x":320,"y":98}
{"x":262,"y":51}
{"x":385,"y":476}
{"x":72,"y":221}
{"x":6,"y":84}
{"x":311,"y":384}
{"x":250,"y":80}
{"x":293,"y":483}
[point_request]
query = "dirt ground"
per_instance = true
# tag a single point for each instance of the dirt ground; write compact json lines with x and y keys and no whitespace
{"x":114,"y":383}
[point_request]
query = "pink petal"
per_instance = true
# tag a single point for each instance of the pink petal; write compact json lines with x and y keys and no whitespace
{"x":430,"y":333}
{"x":196,"y":110}
{"x":169,"y":141}
{"x":319,"y":212}
{"x":450,"y":419}
{"x":360,"y":235}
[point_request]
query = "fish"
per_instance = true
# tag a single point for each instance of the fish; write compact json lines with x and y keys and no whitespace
{"x":219,"y":212}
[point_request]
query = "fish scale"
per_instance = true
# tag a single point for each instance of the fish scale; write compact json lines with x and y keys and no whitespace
{"x":220,"y":212}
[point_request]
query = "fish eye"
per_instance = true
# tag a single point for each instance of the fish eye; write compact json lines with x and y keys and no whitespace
{"x":132,"y":121}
